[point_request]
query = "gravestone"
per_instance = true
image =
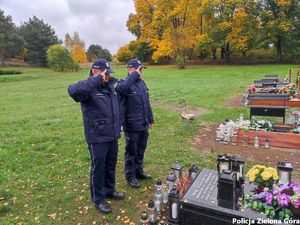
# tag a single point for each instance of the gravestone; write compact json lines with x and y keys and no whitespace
{"x":199,"y":205}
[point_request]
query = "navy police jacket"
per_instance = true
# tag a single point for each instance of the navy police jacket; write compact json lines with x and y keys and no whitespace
{"x":100,"y":108}
{"x":135,"y":103}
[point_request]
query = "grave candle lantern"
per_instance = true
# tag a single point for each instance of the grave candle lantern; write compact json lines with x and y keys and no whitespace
{"x":174,"y":207}
{"x":285,"y":172}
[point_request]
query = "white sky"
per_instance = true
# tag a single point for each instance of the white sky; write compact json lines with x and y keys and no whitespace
{"x":97,"y":21}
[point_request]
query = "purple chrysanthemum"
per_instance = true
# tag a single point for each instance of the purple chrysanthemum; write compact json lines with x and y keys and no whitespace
{"x":276,"y":190}
{"x":285,"y":187}
{"x":284,"y":199}
{"x":269,"y":198}
{"x":296,"y":203}
{"x":261,"y":195}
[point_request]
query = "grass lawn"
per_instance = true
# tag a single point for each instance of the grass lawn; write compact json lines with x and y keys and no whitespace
{"x":44,"y":161}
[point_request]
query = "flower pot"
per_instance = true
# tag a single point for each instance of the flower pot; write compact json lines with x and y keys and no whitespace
{"x":295,"y":211}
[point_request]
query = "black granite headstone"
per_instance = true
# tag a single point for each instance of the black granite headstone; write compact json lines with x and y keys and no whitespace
{"x":199,"y":205}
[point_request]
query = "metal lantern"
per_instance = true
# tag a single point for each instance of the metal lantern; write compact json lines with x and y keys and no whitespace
{"x":171,"y":179}
{"x":177,"y":169}
{"x":151,"y":212}
{"x":227,"y":196}
{"x":193,"y":171}
{"x":144,"y":218}
{"x":237,"y":165}
{"x":285,"y":172}
{"x":174,"y":207}
{"x":223,"y":163}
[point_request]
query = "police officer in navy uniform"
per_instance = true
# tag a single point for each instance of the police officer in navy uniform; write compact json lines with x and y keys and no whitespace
{"x":101,"y":117}
{"x":138,"y":119}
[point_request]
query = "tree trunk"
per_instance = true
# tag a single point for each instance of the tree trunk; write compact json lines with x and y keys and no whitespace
{"x":278,"y":46}
{"x":244,"y":54}
{"x":214,"y":51}
{"x":222,"y":52}
{"x":201,"y":24}
{"x":227,"y":52}
{"x":2,"y":57}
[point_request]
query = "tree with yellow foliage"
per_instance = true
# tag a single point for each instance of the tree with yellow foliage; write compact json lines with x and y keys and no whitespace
{"x":124,"y":54}
{"x":78,"y":54}
{"x":167,"y":26}
{"x":188,"y":28}
{"x":244,"y":30}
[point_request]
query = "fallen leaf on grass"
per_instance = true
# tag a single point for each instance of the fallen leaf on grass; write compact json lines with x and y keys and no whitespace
{"x":53,"y":215}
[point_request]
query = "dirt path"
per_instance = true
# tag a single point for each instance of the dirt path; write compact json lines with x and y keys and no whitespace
{"x":234,"y":101}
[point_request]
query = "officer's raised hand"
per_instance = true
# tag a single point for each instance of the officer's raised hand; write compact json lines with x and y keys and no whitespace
{"x":139,"y":70}
{"x":104,"y":75}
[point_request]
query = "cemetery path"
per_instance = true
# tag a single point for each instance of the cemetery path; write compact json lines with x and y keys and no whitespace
{"x":234,"y":101}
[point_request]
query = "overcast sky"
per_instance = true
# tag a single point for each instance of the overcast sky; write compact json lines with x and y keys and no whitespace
{"x":97,"y":21}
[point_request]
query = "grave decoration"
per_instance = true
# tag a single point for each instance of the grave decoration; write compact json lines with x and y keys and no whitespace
{"x":276,"y":196}
{"x":260,"y":133}
{"x":219,"y":196}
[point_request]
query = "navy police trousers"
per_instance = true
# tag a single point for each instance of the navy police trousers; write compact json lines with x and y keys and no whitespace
{"x":103,"y":168}
{"x":136,"y":144}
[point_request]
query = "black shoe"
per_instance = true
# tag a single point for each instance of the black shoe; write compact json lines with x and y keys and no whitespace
{"x":104,"y":207}
{"x":116,"y":196}
{"x":133,"y":183}
{"x":143,"y":175}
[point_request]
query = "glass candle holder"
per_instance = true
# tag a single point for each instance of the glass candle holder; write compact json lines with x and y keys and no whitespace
{"x":267,"y":144}
{"x":234,"y":138}
{"x":245,"y":140}
{"x":256,"y":142}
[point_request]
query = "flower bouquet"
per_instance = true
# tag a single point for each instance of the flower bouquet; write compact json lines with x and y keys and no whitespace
{"x":279,"y":201}
{"x":262,"y":176}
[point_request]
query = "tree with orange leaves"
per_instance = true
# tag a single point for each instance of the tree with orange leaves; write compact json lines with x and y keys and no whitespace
{"x":78,"y":54}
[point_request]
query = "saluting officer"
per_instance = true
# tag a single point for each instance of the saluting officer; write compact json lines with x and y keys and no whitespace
{"x":138,"y":119}
{"x":101,"y":118}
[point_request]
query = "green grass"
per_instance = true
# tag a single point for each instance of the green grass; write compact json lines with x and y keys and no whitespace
{"x":44,"y":161}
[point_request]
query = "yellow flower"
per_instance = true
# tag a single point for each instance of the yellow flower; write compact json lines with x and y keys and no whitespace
{"x":266,"y":175}
{"x":273,"y":172}
{"x":275,"y":176}
{"x":252,"y":173}
{"x":260,"y":167}
{"x":252,"y":178}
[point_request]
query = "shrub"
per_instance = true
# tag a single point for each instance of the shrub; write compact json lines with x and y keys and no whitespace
{"x":9,"y":72}
{"x":59,"y":58}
